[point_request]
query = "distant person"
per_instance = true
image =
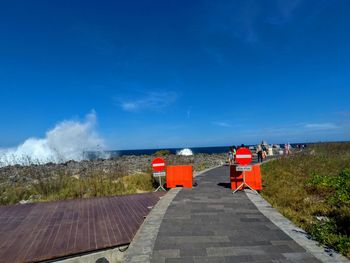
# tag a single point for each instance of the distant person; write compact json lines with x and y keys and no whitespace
{"x":234,"y":148}
{"x":287,"y":148}
{"x":264,"y":151}
{"x":259,"y":151}
{"x":230,"y":156}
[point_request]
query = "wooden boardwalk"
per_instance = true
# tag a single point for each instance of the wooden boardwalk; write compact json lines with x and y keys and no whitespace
{"x":49,"y":230}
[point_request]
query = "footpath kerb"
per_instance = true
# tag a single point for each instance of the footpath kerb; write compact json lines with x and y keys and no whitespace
{"x":296,"y":233}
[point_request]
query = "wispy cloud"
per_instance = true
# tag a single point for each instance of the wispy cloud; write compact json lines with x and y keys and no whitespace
{"x":94,"y":38}
{"x":344,"y":113}
{"x":284,"y":12}
{"x":321,"y":126}
{"x":189,"y":111}
{"x":222,"y":124}
{"x":231,"y":21}
{"x":149,"y":101}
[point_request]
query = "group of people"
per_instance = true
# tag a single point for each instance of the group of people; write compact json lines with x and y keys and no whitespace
{"x":232,"y":154}
{"x":261,"y":152}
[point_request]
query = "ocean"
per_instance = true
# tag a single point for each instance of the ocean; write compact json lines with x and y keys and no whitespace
{"x":208,"y":150}
{"x":195,"y":150}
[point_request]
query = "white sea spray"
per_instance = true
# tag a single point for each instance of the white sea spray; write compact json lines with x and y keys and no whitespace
{"x":68,"y":140}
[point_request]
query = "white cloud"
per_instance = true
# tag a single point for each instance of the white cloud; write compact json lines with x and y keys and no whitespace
{"x":321,"y":126}
{"x":149,"y":100}
{"x":222,"y":124}
{"x":344,"y":113}
{"x":189,"y":112}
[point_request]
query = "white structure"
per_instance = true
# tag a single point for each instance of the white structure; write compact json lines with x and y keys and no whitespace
{"x":185,"y":152}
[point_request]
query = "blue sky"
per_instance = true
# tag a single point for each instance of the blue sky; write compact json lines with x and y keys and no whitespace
{"x":177,"y":73}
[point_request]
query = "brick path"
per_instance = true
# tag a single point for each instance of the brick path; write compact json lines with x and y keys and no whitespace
{"x":209,"y":224}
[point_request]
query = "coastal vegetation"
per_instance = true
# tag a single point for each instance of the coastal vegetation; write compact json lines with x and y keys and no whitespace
{"x":312,"y":189}
{"x":63,"y":186}
{"x":161,"y":153}
{"x":116,"y":176}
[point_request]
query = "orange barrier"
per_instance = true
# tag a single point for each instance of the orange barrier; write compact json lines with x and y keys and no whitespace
{"x":236,"y":178}
{"x":179,"y":175}
{"x":253,"y":177}
{"x":255,"y":180}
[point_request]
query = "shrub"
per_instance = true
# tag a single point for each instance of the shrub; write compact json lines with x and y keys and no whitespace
{"x":161,"y":153}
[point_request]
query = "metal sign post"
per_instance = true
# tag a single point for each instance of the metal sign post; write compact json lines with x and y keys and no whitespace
{"x":158,"y":166}
{"x":244,"y":183}
{"x":159,"y":175}
{"x":244,"y":157}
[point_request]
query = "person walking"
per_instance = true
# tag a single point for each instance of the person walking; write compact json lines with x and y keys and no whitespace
{"x":259,"y":151}
{"x":287,"y":149}
{"x":234,"y":150}
{"x":264,"y":151}
{"x":230,"y":156}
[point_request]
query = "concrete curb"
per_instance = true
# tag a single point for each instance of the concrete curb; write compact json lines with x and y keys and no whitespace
{"x":106,"y":255}
{"x":141,"y":247}
{"x":296,"y":233}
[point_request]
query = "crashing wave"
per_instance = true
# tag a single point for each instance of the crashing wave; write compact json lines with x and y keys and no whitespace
{"x":68,"y":140}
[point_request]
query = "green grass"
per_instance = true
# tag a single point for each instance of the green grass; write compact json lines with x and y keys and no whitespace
{"x":315,"y":183}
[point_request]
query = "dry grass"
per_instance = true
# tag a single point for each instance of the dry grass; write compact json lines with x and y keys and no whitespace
{"x":37,"y":183}
{"x":63,"y":186}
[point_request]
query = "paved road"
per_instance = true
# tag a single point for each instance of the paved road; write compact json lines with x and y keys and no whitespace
{"x":209,"y":224}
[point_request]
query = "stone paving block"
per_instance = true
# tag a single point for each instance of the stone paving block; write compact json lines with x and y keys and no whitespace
{"x":191,"y":252}
{"x":300,"y":257}
{"x":179,"y":260}
{"x":238,"y":259}
{"x":162,"y":246}
{"x":210,"y":260}
{"x":167,"y":253}
{"x":290,"y":243}
{"x":278,"y":249}
{"x":238,"y":242}
{"x":204,"y":245}
{"x":198,"y":239}
{"x":221,"y":251}
{"x":157,"y":260}
{"x":202,"y":233}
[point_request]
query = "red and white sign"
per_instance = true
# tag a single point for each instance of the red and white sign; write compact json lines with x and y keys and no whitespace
{"x":158,"y":164}
{"x":244,"y":156}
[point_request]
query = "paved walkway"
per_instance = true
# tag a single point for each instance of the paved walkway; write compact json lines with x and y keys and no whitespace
{"x":209,"y":224}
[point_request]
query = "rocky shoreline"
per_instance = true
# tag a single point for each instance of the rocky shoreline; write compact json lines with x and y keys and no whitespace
{"x":17,"y":180}
{"x":124,"y":165}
